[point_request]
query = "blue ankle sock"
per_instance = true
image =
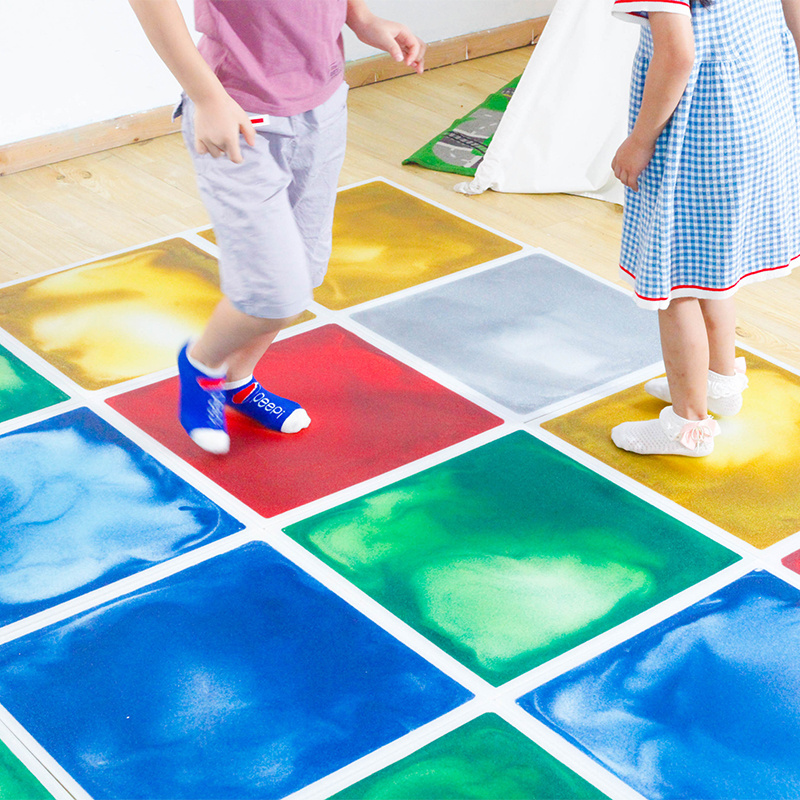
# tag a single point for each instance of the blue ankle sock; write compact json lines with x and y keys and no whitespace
{"x":250,"y":398}
{"x":202,"y":405}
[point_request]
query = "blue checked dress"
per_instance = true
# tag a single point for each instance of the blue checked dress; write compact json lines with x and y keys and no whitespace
{"x":719,"y":204}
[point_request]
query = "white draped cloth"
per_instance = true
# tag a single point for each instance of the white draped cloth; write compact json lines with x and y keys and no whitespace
{"x":569,"y":113}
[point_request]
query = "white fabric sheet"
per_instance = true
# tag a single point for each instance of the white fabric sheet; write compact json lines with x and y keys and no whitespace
{"x":569,"y":113}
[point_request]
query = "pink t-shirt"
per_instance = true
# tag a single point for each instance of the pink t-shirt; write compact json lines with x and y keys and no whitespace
{"x":280,"y":57}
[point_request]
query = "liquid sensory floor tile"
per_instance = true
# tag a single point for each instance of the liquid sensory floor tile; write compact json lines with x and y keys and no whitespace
{"x":486,"y":759}
{"x":705,"y":704}
{"x":508,"y":555}
{"x":386,"y":239}
{"x":82,"y":506}
{"x":747,"y":486}
{"x":527,"y":333}
{"x":369,"y":414}
{"x":117,"y":318}
{"x":240,"y":677}
{"x":243,"y":677}
{"x":22,"y":389}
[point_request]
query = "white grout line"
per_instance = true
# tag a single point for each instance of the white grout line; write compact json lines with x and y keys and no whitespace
{"x":429,"y":370}
{"x":379,"y":614}
{"x":34,"y":417}
{"x":38,"y":364}
{"x":193,"y":236}
{"x":389,"y":754}
{"x":565,"y":752}
{"x":619,"y":634}
{"x":121,"y":588}
{"x":433,"y":283}
{"x":385,"y":479}
{"x":38,"y":761}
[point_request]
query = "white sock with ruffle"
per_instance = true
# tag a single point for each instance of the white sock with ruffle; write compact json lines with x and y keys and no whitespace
{"x":667,"y":435}
{"x":724,"y":391}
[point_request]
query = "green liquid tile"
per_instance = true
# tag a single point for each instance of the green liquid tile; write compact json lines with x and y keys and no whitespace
{"x":511,"y":554}
{"x":22,"y":390}
{"x":486,"y":759}
{"x":16,"y":782}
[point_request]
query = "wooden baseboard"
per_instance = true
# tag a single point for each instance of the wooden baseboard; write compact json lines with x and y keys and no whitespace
{"x":87,"y":139}
{"x":449,"y":51}
{"x":37,"y":152}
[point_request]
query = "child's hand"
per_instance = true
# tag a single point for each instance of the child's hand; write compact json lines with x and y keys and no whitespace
{"x":631,"y":159}
{"x":396,"y":39}
{"x":217,"y":125}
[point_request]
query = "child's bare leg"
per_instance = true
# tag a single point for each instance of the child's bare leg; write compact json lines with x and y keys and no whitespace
{"x":719,"y":317}
{"x":235,"y":339}
{"x":684,"y":344}
{"x":726,"y":375}
{"x":685,"y":427}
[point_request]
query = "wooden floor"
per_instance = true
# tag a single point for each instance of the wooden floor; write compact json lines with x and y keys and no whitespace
{"x":75,"y":210}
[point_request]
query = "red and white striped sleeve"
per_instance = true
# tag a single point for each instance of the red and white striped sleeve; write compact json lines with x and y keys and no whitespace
{"x":637,"y":10}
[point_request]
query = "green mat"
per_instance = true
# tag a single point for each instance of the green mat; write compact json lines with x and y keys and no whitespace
{"x":463,"y":145}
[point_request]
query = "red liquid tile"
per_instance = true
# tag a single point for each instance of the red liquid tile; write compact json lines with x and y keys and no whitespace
{"x":369,"y":414}
{"x":792,"y":561}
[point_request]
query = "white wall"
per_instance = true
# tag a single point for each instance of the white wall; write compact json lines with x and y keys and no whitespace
{"x":434,"y":20}
{"x":68,"y":63}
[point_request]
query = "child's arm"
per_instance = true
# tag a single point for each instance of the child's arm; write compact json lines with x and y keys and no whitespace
{"x":218,"y":118}
{"x":791,"y":10}
{"x":395,"y":39}
{"x":667,"y":76}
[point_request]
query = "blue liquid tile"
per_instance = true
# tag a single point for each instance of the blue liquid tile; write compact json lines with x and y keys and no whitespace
{"x":82,"y":506}
{"x":527,"y":333}
{"x":238,"y":678}
{"x":704,"y":705}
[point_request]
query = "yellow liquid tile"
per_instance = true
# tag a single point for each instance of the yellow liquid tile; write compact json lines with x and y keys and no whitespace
{"x":749,"y":485}
{"x":117,"y":318}
{"x":385,"y":240}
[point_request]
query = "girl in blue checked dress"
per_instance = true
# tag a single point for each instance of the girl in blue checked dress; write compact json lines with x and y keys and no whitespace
{"x":712,"y":170}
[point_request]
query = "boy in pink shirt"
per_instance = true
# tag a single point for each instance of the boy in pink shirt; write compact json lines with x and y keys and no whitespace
{"x":270,"y":190}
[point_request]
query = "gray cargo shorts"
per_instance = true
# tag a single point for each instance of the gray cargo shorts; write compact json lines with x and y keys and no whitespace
{"x":273,"y":213}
